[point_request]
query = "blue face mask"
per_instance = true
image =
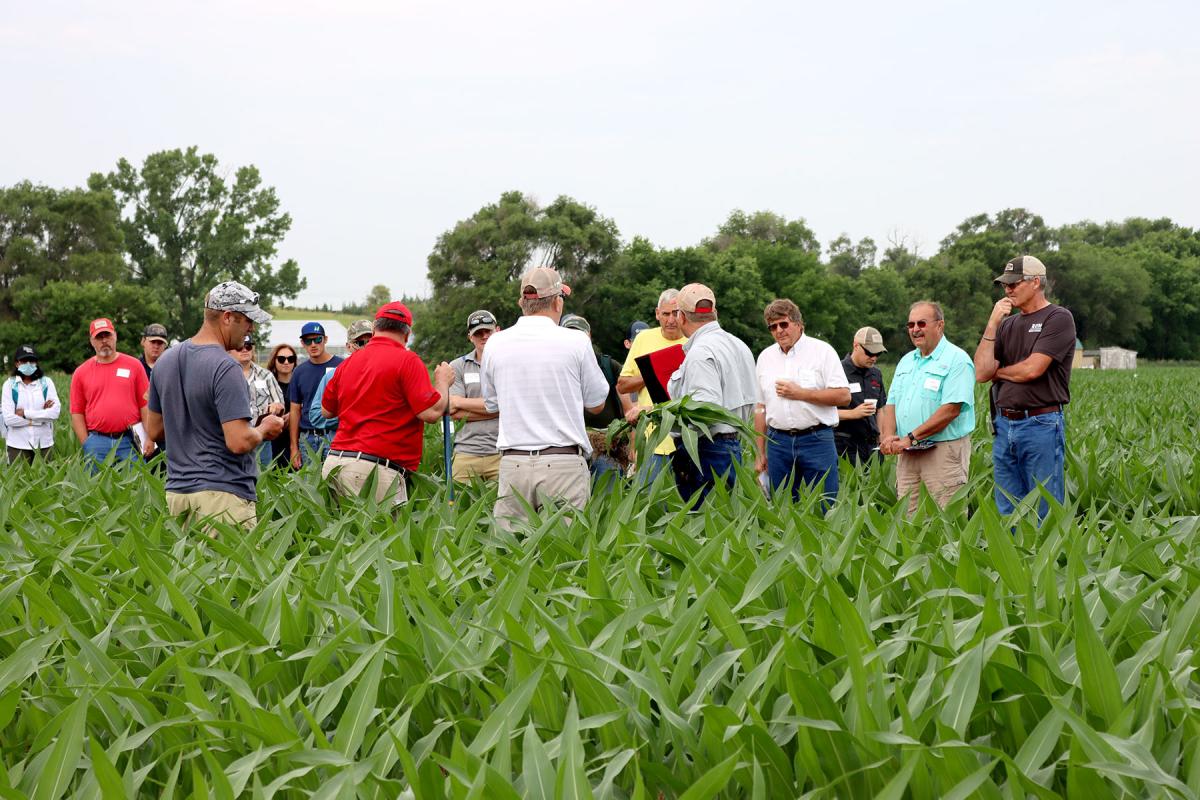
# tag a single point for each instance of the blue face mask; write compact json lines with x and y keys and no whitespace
{"x":27,"y":368}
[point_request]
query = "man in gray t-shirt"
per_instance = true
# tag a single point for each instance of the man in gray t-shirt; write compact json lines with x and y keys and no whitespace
{"x":200,"y":403}
{"x":475,"y":453}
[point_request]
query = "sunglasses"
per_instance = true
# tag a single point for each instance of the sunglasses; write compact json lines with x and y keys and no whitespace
{"x":246,"y":347}
{"x":921,"y":323}
{"x":782,"y":325}
{"x":312,"y":341}
{"x":362,"y":341}
{"x":285,"y":359}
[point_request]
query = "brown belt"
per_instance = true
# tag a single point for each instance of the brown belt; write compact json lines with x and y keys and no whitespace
{"x":1026,"y":413}
{"x":566,"y":450}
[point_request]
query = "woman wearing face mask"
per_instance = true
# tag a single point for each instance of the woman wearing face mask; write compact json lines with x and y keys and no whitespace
{"x":30,"y":405}
{"x":281,"y":364}
{"x":265,"y":394}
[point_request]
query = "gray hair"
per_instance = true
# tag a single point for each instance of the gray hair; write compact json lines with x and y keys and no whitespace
{"x":699,"y":317}
{"x":667,"y":296}
{"x":937,"y":309}
{"x":537,"y":305}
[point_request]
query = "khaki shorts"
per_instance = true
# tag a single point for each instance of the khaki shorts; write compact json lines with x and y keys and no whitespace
{"x":540,"y":480}
{"x":217,"y":506}
{"x":942,"y":469}
{"x":351,"y":476}
{"x":467,"y":466}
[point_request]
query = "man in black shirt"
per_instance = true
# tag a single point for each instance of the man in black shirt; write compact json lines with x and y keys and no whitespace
{"x":1028,"y":359}
{"x":857,"y":433}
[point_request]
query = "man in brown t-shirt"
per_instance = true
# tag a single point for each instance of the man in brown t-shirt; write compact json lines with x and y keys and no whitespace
{"x":1028,"y":359}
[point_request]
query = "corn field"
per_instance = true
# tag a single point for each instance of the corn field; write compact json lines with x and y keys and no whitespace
{"x":755,"y":649}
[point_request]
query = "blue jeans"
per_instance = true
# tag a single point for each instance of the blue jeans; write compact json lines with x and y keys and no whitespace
{"x":1027,"y":452}
{"x":605,"y":472}
{"x":98,"y":447}
{"x":649,"y":470}
{"x":263,"y":454}
{"x":805,"y":460}
{"x":314,"y":445}
{"x":716,"y":462}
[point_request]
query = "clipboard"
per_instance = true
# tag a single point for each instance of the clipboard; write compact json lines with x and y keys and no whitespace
{"x":657,"y":368}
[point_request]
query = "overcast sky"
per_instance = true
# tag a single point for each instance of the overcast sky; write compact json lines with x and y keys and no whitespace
{"x":381,"y":124}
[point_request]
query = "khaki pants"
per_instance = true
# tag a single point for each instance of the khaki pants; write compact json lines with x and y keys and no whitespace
{"x":467,"y":466}
{"x":215,"y":506}
{"x":347,"y":477}
{"x":943,"y":469}
{"x":540,"y":480}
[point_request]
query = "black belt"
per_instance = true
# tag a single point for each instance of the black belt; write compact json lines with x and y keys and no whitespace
{"x":120,"y":435}
{"x":317,"y":431}
{"x":358,"y":456}
{"x":565,"y":450}
{"x":801,"y":431}
{"x":731,"y":435}
{"x":1026,"y":413}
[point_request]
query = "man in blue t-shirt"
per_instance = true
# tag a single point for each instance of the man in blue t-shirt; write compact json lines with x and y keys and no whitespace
{"x":305,"y":380}
{"x":199,"y":401}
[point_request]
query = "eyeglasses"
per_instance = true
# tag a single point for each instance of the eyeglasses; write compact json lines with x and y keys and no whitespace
{"x":285,"y":359}
{"x":782,"y":325}
{"x":362,"y":341}
{"x":921,"y":323}
{"x":312,"y":341}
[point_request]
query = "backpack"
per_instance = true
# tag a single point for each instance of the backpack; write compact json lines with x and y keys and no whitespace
{"x":41,"y":381}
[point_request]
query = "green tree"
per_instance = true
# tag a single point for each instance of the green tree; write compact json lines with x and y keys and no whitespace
{"x":188,"y":228}
{"x":849,"y":259}
{"x":477,"y":263}
{"x":1086,"y":278}
{"x":54,"y":319}
{"x":51,"y":234}
{"x":378,"y":296}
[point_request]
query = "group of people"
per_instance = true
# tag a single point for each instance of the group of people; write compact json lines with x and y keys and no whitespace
{"x":526,"y":397}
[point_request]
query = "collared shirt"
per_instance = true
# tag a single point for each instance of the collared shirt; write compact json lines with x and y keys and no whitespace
{"x":35,"y":430}
{"x":811,"y":363}
{"x":110,"y":396}
{"x":475,"y":437}
{"x":376,"y":394}
{"x":540,"y":377}
{"x":923,"y":383}
{"x":866,"y":383}
{"x":649,"y":341}
{"x":718,"y":368}
{"x":264,"y":390}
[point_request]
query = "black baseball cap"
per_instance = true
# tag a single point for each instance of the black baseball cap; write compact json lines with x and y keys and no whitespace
{"x":24,"y":353}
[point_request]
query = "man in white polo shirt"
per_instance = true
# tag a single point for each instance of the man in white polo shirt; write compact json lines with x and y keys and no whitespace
{"x":540,"y":378}
{"x":801,"y":383}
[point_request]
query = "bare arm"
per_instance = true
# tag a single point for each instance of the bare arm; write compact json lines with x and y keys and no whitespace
{"x":628,"y":384}
{"x":294,"y":426}
{"x":240,"y":436}
{"x":938,"y":420}
{"x":986,"y":364}
{"x":443,"y":376}
{"x":79,"y":426}
{"x":153,"y":423}
{"x":1030,"y":369}
{"x":470,"y":409}
{"x":790,"y":390}
{"x":760,"y":441}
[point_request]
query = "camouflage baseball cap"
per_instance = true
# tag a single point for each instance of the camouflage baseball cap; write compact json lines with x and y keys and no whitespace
{"x":233,"y":296}
{"x":575,"y":322}
{"x":360,"y":327}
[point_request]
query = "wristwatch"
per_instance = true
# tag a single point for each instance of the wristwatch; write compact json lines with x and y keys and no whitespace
{"x":911,"y":439}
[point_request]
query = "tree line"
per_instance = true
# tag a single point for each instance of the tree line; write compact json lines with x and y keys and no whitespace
{"x":1133,"y":284}
{"x":138,"y":245}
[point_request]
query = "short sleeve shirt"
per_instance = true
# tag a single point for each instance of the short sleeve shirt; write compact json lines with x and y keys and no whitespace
{"x":303,"y":386}
{"x":198,"y":388}
{"x":475,"y":437}
{"x":866,"y":383}
{"x":110,"y":396}
{"x":649,"y":341}
{"x":376,"y":395}
{"x":1049,"y":330}
{"x":923,"y":383}
{"x":718,"y":368}
{"x":811,"y":363}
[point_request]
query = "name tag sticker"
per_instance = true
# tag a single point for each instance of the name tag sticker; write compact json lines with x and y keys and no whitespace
{"x":261,"y":384}
{"x":122,"y":372}
{"x":855,"y":387}
{"x":1035,"y":327}
{"x":472,"y":377}
{"x":329,"y":370}
{"x":933,"y":384}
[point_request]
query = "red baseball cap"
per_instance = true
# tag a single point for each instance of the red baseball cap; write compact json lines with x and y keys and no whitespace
{"x":395,"y":310}
{"x":102,"y":325}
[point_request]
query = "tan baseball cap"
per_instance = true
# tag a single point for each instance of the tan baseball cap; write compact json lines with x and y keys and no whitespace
{"x":1020,"y":268}
{"x":542,"y":282}
{"x":871,"y":340}
{"x":695,"y":295}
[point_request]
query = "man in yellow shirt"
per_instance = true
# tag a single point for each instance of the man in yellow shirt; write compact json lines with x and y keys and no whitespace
{"x":650,"y":340}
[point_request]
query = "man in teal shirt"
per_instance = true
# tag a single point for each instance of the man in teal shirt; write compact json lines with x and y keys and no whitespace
{"x":930,"y":411}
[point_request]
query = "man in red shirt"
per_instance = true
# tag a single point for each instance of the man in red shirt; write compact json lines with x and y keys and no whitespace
{"x":108,"y":398}
{"x":382,"y":398}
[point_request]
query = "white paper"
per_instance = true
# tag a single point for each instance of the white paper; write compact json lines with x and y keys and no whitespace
{"x":122,"y":372}
{"x":933,"y":384}
{"x":855,"y":387}
{"x":139,"y":434}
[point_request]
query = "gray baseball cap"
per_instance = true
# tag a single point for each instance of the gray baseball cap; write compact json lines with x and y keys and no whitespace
{"x":233,"y":296}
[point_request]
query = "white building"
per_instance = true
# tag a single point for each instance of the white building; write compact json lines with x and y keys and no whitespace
{"x":287,"y":331}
